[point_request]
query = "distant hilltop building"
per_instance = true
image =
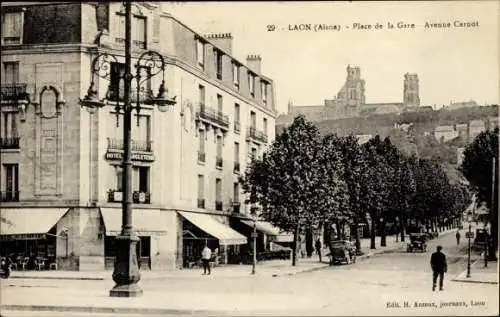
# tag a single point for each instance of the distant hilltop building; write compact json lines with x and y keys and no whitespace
{"x":350,"y":101}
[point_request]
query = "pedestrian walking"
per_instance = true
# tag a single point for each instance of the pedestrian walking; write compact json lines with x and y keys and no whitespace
{"x":457,"y":235}
{"x":206,"y":255}
{"x":318,"y":248}
{"x":439,"y":267}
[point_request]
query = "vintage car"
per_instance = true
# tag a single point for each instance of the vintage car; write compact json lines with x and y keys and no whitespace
{"x":418,"y":242}
{"x":342,"y":251}
{"x":480,"y":239}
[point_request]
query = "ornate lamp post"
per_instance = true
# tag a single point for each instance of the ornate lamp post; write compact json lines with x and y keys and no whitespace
{"x":126,"y":271}
{"x":469,"y":219}
{"x":254,"y":236}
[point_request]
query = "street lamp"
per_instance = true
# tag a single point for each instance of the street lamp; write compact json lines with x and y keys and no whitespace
{"x":469,"y":219}
{"x":126,"y":271}
{"x":254,"y":236}
{"x":396,"y":220}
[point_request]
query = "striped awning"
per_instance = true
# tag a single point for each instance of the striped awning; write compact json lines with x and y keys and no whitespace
{"x":145,"y":222}
{"x":225,"y":234}
{"x":263,"y":226}
{"x":28,"y":223}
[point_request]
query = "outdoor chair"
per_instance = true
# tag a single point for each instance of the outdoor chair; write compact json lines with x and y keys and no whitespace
{"x":24,"y":263}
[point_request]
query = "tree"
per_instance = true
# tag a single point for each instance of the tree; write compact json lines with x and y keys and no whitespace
{"x":333,"y":207}
{"x":287,"y":181}
{"x":353,"y":164}
{"x":477,"y":167}
{"x":374,"y":191}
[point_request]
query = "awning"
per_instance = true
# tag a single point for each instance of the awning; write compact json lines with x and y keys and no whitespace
{"x":207,"y":223}
{"x":145,"y":222}
{"x":263,"y":226}
{"x":28,"y":223}
{"x":284,"y":238}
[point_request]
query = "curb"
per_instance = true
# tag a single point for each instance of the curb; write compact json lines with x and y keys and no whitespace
{"x":358,"y":258}
{"x":84,"y":278}
{"x":112,"y":310}
{"x":465,"y":280}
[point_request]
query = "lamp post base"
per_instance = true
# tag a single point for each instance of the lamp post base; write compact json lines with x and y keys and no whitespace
{"x":127,"y":290}
{"x":126,"y":272}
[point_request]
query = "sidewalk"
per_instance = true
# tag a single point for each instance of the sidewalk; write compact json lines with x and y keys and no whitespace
{"x":265,"y":268}
{"x":479,"y":273}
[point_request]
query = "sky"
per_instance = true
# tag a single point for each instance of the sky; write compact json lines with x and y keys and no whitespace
{"x":452,"y":63}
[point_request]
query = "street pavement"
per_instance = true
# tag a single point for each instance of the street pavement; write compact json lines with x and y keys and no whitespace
{"x":374,"y":286}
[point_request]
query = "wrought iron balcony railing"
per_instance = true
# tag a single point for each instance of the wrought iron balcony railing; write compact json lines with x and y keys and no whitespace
{"x":219,"y":161}
{"x":218,"y":205}
{"x":201,"y":203}
{"x":11,"y":195}
{"x":236,"y":168}
{"x":212,"y":116}
{"x":14,"y":92}
{"x":9,"y":143}
{"x":138,"y":197}
{"x":256,"y":135}
{"x":136,"y":146}
{"x":201,"y":156}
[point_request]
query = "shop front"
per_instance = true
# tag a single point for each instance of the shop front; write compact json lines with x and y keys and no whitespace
{"x":31,"y":238}
{"x":198,"y":230}
{"x":150,"y":226}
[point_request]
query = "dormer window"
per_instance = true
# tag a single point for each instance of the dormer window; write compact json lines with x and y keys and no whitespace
{"x":12,"y":27}
{"x":263,"y":87}
{"x":200,"y":53}
{"x":218,"y":63}
{"x":236,"y":75}
{"x":251,"y":83}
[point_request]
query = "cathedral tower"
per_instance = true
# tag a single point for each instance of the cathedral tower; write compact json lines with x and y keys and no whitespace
{"x":410,"y":96}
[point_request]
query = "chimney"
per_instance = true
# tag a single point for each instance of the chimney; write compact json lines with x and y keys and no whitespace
{"x":223,"y":41}
{"x":253,"y":62}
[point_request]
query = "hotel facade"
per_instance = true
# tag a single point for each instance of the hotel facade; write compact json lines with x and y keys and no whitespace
{"x":61,"y":165}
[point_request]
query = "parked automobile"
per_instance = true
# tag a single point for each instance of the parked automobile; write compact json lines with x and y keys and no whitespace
{"x":418,"y":242}
{"x":480,"y":239}
{"x":342,"y":251}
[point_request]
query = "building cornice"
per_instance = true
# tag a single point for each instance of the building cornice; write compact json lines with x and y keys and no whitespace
{"x":25,"y":49}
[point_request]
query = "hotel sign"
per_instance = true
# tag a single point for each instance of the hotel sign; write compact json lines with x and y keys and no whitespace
{"x":144,"y":157}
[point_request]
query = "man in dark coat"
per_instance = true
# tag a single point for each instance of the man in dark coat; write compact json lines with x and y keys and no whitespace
{"x":439,"y":267}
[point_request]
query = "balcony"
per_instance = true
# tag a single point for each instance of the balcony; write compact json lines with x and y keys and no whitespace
{"x":12,"y":195}
{"x":236,"y":207}
{"x":236,"y":168}
{"x":136,"y":146}
{"x":13,"y":93}
{"x":212,"y":116}
{"x":9,"y":143}
{"x":237,"y":127}
{"x":138,"y":197}
{"x":256,"y":135}
{"x":218,"y":205}
{"x":201,"y":203}
{"x":219,"y":162}
{"x":201,"y":157}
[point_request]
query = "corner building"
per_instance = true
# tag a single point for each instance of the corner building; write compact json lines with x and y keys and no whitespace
{"x":61,"y":165}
